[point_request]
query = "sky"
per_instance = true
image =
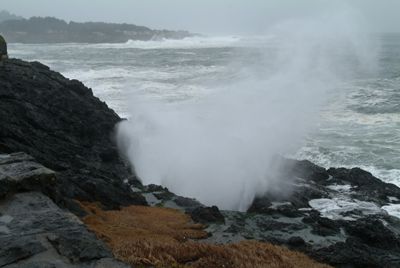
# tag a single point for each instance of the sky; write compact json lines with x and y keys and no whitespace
{"x":206,"y":16}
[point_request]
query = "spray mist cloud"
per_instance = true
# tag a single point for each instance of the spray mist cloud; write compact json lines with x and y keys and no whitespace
{"x":221,"y":149}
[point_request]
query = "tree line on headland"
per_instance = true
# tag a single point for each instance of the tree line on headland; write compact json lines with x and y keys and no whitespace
{"x":52,"y":30}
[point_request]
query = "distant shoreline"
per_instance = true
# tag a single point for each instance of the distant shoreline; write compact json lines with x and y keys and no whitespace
{"x":49,"y":30}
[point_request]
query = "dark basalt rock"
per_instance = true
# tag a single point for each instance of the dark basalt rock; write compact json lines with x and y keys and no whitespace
{"x":369,"y":188}
{"x":325,"y":227}
{"x":353,"y":253}
{"x":355,"y":176}
{"x":321,"y":226}
{"x":268,"y":225}
{"x":72,"y":246}
{"x":306,"y":170}
{"x":12,"y":251}
{"x":372,"y":231}
{"x":260,"y":205}
{"x":301,"y":195}
{"x":296,"y":242}
{"x":264,"y":205}
{"x":164,"y":196}
{"x":207,"y":215}
{"x":187,"y":203}
{"x":151,"y":188}
{"x":64,"y":127}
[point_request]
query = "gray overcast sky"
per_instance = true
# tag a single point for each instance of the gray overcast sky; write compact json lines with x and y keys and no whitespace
{"x":204,"y":16}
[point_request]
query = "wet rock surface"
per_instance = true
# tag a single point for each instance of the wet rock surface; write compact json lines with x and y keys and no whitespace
{"x":65,"y":128}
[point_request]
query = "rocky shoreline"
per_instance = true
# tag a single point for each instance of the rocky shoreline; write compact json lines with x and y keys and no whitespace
{"x":57,"y":148}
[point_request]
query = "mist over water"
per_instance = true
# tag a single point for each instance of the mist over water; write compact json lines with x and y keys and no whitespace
{"x":222,"y":148}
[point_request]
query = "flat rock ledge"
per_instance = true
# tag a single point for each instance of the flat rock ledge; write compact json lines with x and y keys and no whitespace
{"x":19,"y":172}
{"x":34,"y":231}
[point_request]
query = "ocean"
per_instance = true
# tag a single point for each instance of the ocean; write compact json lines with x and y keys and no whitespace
{"x":358,"y":125}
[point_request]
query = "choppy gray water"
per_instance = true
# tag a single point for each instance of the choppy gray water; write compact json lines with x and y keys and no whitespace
{"x":358,"y":127}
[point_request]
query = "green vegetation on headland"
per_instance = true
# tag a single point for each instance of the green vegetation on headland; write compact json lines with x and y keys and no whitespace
{"x":5,"y":15}
{"x":52,"y":30}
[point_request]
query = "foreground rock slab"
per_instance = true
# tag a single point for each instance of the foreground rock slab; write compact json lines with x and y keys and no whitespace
{"x":34,"y":232}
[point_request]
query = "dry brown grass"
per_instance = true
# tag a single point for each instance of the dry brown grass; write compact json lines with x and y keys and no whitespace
{"x":162,"y":237}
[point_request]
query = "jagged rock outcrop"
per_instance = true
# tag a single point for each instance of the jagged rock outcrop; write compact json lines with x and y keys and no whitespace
{"x":64,"y":127}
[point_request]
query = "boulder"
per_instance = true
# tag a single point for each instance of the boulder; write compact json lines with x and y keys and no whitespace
{"x":207,"y":215}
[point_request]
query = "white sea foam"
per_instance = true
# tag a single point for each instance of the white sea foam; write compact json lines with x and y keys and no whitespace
{"x":344,"y":189}
{"x":393,"y":209}
{"x":185,"y":43}
{"x":89,"y":75}
{"x":335,"y":208}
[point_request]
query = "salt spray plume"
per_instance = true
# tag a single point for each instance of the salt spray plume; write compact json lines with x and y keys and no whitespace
{"x":221,"y":149}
